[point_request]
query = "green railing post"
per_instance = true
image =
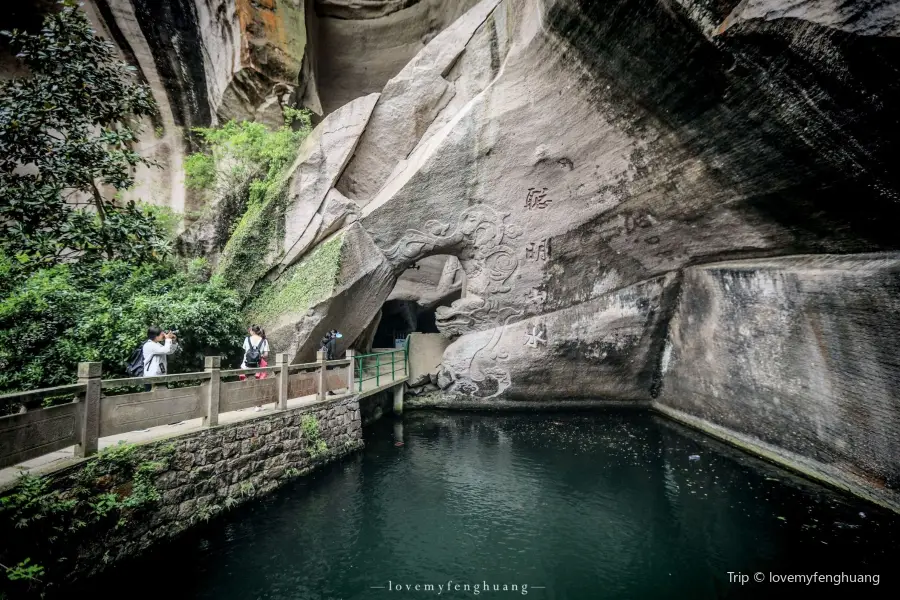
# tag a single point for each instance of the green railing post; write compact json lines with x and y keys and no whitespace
{"x":360,"y":371}
{"x":378,"y":369}
{"x":393,"y":375}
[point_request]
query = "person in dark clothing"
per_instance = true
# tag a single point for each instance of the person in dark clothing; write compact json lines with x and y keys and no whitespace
{"x":329,"y":342}
{"x":324,"y":345}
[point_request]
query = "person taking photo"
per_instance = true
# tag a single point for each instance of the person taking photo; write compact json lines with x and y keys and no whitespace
{"x":156,"y":349}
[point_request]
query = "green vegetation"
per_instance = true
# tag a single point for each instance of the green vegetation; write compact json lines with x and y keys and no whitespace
{"x":25,"y":570}
{"x":206,"y":512}
{"x":43,"y":522}
{"x":246,"y":489}
{"x":248,"y":165}
{"x":83,"y":273}
{"x":66,"y":132}
{"x":66,"y":314}
{"x":200,"y":171}
{"x":301,"y":286}
{"x":315,"y":445}
{"x":245,"y":257}
{"x":238,"y":151}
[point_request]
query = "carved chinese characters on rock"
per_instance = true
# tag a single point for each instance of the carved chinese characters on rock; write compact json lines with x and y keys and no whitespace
{"x":536,"y":335}
{"x":538,"y":251}
{"x":629,"y":224}
{"x":536,"y":198}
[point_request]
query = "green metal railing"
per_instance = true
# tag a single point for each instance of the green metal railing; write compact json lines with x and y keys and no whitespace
{"x":365,"y":363}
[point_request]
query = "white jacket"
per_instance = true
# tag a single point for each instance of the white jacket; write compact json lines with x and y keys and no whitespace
{"x":155,"y":356}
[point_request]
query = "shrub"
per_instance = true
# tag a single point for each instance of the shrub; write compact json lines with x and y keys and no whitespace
{"x":66,"y":314}
{"x":244,"y":150}
{"x":46,"y":522}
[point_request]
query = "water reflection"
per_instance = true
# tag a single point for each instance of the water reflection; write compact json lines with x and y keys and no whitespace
{"x":587,"y":506}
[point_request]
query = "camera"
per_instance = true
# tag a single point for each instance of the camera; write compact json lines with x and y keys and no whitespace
{"x":172,"y":331}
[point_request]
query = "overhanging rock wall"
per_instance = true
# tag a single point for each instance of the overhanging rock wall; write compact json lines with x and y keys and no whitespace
{"x":607,"y":348}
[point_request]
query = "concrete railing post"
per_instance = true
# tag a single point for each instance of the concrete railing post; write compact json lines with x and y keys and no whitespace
{"x":398,"y":398}
{"x":211,"y":390}
{"x":284,"y":377}
{"x":323,"y":375}
{"x":351,"y":355}
{"x":89,"y":411}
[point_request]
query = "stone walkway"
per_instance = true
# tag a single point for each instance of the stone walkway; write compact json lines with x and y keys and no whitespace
{"x":65,"y":456}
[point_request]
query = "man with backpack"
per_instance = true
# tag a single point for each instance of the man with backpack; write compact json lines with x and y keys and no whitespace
{"x":153,"y":355}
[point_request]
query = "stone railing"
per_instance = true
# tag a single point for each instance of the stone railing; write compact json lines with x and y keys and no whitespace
{"x":97,"y":411}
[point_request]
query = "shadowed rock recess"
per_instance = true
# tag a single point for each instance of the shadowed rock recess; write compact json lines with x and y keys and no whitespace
{"x":685,"y":203}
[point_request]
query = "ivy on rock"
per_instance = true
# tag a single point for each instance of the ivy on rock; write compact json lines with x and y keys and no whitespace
{"x":58,"y":515}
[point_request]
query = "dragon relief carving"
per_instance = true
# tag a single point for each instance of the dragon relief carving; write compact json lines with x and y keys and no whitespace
{"x":479,"y":240}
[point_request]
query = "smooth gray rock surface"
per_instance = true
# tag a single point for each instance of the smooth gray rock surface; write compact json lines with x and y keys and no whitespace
{"x":606,"y":348}
{"x":320,"y":162}
{"x":359,"y":46}
{"x":409,"y":104}
{"x":796,"y":352}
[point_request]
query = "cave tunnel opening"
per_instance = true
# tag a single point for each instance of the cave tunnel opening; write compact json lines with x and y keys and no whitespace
{"x":431,"y":283}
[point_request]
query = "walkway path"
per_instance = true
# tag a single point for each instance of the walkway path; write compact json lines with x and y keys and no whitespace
{"x":64,"y":456}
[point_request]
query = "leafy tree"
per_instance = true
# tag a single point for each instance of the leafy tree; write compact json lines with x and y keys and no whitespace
{"x":66,"y":134}
{"x":65,"y":314}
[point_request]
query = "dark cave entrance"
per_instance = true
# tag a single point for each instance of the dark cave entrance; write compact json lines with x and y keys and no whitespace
{"x":399,"y":318}
{"x":432,"y":282}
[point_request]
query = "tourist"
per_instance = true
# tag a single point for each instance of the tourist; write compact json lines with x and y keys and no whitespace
{"x":329,"y":342}
{"x":331,"y":339}
{"x":256,"y":354}
{"x":264,"y":360}
{"x":156,"y":349}
{"x":324,"y":344}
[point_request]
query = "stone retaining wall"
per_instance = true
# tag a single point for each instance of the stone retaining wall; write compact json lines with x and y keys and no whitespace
{"x":376,"y":406}
{"x":203,"y":473}
{"x":248,"y":459}
{"x":795,"y":359}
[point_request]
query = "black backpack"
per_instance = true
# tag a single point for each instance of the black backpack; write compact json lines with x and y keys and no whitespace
{"x":253,"y":357}
{"x":135,"y":365}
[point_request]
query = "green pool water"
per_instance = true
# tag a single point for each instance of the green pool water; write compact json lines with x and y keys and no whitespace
{"x":594,"y":505}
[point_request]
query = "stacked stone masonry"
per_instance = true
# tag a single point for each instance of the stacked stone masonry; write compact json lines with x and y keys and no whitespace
{"x":218,"y":468}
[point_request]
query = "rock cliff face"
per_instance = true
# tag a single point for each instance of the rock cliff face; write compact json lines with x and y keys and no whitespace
{"x":629,"y":192}
{"x":597,"y":168}
{"x":208,"y":61}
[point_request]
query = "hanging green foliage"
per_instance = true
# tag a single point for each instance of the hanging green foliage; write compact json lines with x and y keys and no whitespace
{"x":67,"y":131}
